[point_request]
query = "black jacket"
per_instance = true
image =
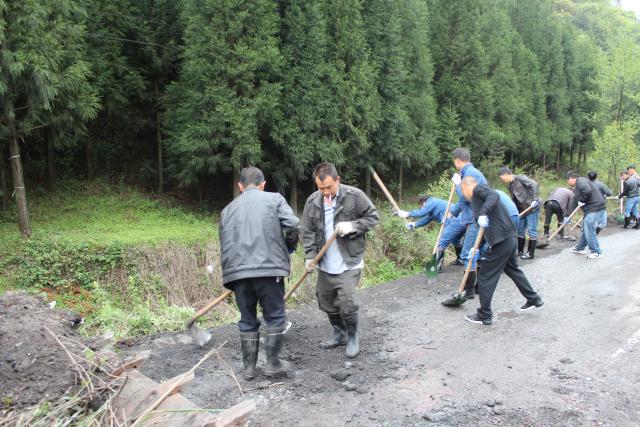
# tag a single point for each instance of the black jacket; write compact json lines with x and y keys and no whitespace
{"x":486,"y":201}
{"x":631,"y":187}
{"x":523,"y":191}
{"x":589,"y":194}
{"x":255,"y":231}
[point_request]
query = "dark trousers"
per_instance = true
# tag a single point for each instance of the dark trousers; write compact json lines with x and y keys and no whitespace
{"x":501,"y":257}
{"x":337,"y":292}
{"x":551,"y":208}
{"x":269,"y":292}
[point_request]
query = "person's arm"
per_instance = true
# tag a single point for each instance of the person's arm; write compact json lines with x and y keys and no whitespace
{"x":424,"y":220}
{"x":309,"y":232}
{"x":368,"y":216}
{"x":488,"y":197}
{"x":420,"y":212}
{"x":530,"y":184}
{"x":605,"y":189}
{"x":289,"y":222}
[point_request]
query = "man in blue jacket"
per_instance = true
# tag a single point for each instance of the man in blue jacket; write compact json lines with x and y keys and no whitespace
{"x":462,"y":218}
{"x":431,"y":209}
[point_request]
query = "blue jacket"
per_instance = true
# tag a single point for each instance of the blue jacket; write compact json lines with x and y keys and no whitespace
{"x":463,"y":207}
{"x":432,"y":210}
{"x":508,"y":203}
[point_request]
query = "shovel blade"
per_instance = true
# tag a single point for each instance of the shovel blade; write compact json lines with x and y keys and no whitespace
{"x":432,"y":268}
{"x":455,"y":300}
{"x":543,"y":244}
{"x":199,"y":336}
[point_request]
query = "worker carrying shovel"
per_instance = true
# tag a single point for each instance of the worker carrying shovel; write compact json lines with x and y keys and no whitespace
{"x":593,"y":205}
{"x":500,"y":234}
{"x":349,"y":213}
{"x":258,"y":231}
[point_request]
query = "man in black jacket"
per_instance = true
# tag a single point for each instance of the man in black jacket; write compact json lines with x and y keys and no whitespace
{"x":500,"y":234}
{"x":590,"y":200}
{"x":630,"y":190}
{"x":258,"y":231}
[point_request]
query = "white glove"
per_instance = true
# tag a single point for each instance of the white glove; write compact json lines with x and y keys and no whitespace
{"x":581,"y":204}
{"x":443,"y":219}
{"x":309,"y":265}
{"x":534,"y":204}
{"x":456,"y":178}
{"x":483,"y":221}
{"x":402,"y":214}
{"x":344,"y":228}
{"x":410,"y":226}
{"x":566,"y":220}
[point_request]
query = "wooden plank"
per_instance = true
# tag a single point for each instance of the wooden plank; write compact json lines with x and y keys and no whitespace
{"x":134,"y":363}
{"x":236,"y":416}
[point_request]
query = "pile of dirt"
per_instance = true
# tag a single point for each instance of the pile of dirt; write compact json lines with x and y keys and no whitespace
{"x":33,"y":365}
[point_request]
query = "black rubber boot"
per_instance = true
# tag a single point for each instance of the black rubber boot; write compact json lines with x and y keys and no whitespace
{"x":521,"y":242}
{"x":470,"y":285}
{"x":637,"y":226}
{"x":439,"y":259}
{"x":273,"y":344}
{"x":458,"y":261}
{"x":627,"y":222}
{"x":339,"y":333}
{"x":250,"y":344}
{"x":546,"y":231}
{"x":353,"y":337}
{"x":531,"y":250}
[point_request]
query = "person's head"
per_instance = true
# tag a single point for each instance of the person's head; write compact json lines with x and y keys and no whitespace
{"x":631,"y":169}
{"x":251,"y":177}
{"x":593,"y":175}
{"x":461,"y":157}
{"x":467,"y":185}
{"x":505,"y":175}
{"x":422,"y":198}
{"x":625,"y":174}
{"x":572,"y":177}
{"x":327,"y":179}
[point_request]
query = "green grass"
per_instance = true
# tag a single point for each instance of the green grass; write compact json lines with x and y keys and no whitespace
{"x":97,"y":214}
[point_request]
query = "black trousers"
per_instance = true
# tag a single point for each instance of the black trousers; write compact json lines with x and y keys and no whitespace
{"x":501,"y":257}
{"x":551,"y":208}
{"x":269,"y":292}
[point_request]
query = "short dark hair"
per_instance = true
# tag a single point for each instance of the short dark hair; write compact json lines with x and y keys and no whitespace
{"x":461,"y":153}
{"x":423,"y":198}
{"x":324,"y":170}
{"x":624,"y":172}
{"x":572,"y":174}
{"x":631,"y":167}
{"x":592,"y":175}
{"x":504,"y":171}
{"x":251,"y":175}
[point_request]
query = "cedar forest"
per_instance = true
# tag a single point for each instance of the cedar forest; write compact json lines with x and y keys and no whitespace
{"x":180,"y":94}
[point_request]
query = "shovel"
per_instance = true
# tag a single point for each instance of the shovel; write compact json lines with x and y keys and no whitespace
{"x":384,"y":189}
{"x":542,"y":245}
{"x":524,"y":212}
{"x":460,"y":297}
{"x":432,"y":264}
{"x":202,"y":336}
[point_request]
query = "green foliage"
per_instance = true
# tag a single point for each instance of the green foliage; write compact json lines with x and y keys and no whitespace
{"x":615,"y":149}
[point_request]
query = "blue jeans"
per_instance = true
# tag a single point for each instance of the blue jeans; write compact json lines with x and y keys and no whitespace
{"x":453,"y":231}
{"x":529,"y":224}
{"x":631,"y":207}
{"x":588,"y":237}
{"x":469,"y":241}
{"x":602,"y":220}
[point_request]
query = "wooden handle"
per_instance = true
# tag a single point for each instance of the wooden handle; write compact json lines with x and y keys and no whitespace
{"x":316,"y":260}
{"x":384,"y":189}
{"x":208,"y":307}
{"x":576,"y":224}
{"x":555,"y":233}
{"x":446,"y":214}
{"x":524,"y":212}
{"x":472,"y":254}
{"x":621,"y":190}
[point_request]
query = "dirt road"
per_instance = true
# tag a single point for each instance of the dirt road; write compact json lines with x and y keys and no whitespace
{"x":573,"y":362}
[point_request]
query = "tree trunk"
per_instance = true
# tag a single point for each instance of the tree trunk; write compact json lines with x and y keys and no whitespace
{"x":159,"y":141}
{"x":619,"y":118}
{"x":18,"y":180}
{"x":558,"y":160}
{"x":236,"y":180}
{"x":367,"y":182}
{"x":3,"y":179}
{"x":571,"y":156}
{"x":90,"y":158}
{"x":400,"y":183}
{"x":293,"y":195}
{"x":544,"y":161}
{"x":51,"y":158}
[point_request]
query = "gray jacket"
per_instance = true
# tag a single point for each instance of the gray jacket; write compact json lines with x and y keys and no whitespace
{"x":564,"y":197}
{"x":523,"y":191}
{"x":602,"y":187}
{"x":255,"y":231}
{"x":631,"y":187}
{"x":351,"y":205}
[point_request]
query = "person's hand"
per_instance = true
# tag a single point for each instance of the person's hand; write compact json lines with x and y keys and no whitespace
{"x":535,"y":204}
{"x":620,"y":196}
{"x":483,"y":221}
{"x":581,"y":204}
{"x":443,"y":219}
{"x":566,"y":220}
{"x":456,"y":178}
{"x":344,"y":228}
{"x":310,"y":265}
{"x":291,"y":250}
{"x":402,"y":214}
{"x":410,"y":226}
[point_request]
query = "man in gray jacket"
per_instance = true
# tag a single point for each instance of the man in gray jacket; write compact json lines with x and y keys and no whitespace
{"x":557,"y":204}
{"x":258,"y":231}
{"x":524,"y":192}
{"x":349,"y":212}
